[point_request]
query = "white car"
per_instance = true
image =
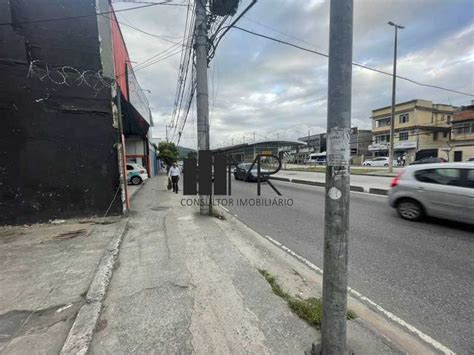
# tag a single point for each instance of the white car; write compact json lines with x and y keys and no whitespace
{"x":136,"y":173}
{"x":443,"y":190}
{"x":380,"y":161}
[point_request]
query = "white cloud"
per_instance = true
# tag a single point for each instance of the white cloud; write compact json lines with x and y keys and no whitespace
{"x":271,"y":89}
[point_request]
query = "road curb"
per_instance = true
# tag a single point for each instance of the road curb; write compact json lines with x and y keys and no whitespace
{"x":82,"y":330}
{"x":322,"y":184}
{"x":378,"y":191}
{"x":430,"y":345}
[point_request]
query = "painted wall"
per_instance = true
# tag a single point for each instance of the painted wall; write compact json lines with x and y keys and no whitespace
{"x":57,"y":140}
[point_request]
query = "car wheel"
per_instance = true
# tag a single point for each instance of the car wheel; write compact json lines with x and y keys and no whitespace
{"x":136,"y":180}
{"x":410,"y":209}
{"x":385,"y":165}
{"x":368,"y":164}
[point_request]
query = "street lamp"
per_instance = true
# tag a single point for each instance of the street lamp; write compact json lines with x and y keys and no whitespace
{"x":394,"y":82}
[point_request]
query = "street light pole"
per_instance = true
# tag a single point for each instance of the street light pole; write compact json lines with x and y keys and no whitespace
{"x":394,"y":83}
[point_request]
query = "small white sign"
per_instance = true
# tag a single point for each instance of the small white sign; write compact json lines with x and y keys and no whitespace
{"x":338,"y":148}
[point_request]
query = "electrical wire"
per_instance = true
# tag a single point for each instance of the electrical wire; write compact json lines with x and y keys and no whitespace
{"x":353,"y":63}
{"x":142,"y":31}
{"x":89,"y":15}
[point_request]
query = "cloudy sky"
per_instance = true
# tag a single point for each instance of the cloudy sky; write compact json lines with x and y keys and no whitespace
{"x":269,"y":90}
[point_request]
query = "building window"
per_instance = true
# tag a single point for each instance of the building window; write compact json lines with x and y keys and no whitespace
{"x":382,"y":138}
{"x":403,"y":118}
{"x":435,"y":136}
{"x":403,"y":136}
{"x":449,"y":118}
{"x":445,"y":134}
{"x":382,"y":122}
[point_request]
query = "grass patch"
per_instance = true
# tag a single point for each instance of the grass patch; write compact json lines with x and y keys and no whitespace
{"x":309,"y":309}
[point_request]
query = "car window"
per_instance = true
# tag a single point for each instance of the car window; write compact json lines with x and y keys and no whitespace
{"x":244,"y":166}
{"x":443,"y":176}
{"x":470,"y":178}
{"x":129,"y":167}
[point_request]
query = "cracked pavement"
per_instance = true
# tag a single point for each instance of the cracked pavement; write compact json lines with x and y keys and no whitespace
{"x":182,"y":287}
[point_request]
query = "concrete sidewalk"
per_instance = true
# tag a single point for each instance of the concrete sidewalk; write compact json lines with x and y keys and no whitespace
{"x":46,"y":270}
{"x":362,"y":183}
{"x":190,"y":284}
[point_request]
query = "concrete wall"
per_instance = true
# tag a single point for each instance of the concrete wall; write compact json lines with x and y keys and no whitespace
{"x":57,"y":141}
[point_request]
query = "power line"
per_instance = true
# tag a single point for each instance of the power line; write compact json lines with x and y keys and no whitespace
{"x":89,"y":15}
{"x":142,"y":31}
{"x":354,"y":63}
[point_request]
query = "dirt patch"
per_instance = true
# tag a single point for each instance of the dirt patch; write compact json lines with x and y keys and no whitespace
{"x":71,"y":234}
{"x":101,"y":325}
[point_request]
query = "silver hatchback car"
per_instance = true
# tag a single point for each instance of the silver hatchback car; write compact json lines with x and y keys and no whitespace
{"x":444,"y":190}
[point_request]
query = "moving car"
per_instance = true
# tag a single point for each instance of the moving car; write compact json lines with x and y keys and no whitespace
{"x":136,"y":173}
{"x":379,"y":161}
{"x":241,"y":170}
{"x":429,"y":160}
{"x":439,"y":190}
{"x":316,"y":159}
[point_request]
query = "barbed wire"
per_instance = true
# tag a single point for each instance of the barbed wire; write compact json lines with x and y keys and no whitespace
{"x":69,"y":76}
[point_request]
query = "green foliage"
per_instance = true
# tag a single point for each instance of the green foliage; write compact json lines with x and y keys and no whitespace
{"x":310,"y":309}
{"x":168,"y":152}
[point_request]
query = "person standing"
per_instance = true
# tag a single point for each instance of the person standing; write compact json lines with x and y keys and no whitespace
{"x":174,"y":173}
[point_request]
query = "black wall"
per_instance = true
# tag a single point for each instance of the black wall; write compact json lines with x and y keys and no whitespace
{"x":57,"y":143}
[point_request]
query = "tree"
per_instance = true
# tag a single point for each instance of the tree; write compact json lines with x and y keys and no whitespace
{"x":168,"y":152}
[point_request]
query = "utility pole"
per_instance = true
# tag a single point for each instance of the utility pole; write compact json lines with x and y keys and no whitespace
{"x":336,"y":219}
{"x":167,"y":136}
{"x":202,"y":96}
{"x":254,"y":137}
{"x":394,"y":83}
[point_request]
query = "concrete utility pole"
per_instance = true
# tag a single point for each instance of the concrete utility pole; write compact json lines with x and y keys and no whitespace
{"x":394,"y":83}
{"x":202,"y":96}
{"x":336,"y":220}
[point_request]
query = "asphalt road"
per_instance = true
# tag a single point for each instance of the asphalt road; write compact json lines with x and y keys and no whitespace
{"x":422,"y":272}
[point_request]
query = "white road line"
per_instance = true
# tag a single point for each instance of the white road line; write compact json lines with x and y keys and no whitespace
{"x":322,"y":187}
{"x":426,"y":338}
{"x":225,"y":209}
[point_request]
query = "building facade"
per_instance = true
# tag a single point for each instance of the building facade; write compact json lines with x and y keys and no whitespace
{"x":359,"y":143}
{"x":64,"y":118}
{"x":461,"y":145}
{"x":422,"y":129}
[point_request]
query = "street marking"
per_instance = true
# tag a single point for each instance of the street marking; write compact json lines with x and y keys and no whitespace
{"x":225,"y":209}
{"x":437,"y":345}
{"x":323,"y":187}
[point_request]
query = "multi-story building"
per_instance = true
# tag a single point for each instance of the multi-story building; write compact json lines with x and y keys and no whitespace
{"x":359,"y":142}
{"x":421,"y":129}
{"x":461,"y":145}
{"x":316,"y":143}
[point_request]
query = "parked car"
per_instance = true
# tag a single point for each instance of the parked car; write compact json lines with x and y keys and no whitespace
{"x":429,"y":160}
{"x":241,"y":170}
{"x":440,"y":190}
{"x":379,"y":161}
{"x":471,"y":159}
{"x":136,"y":174}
